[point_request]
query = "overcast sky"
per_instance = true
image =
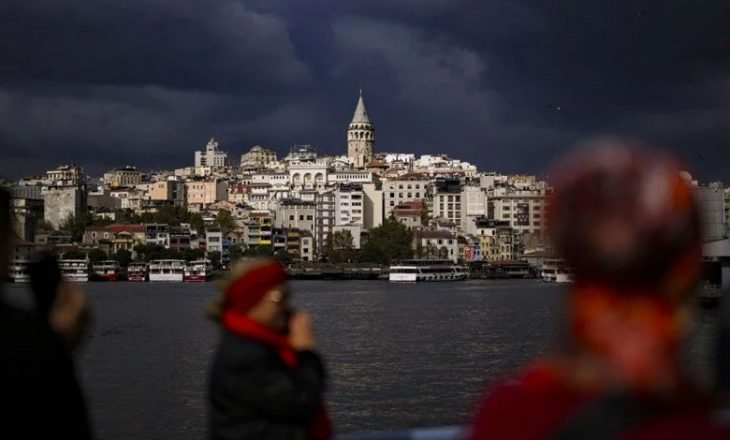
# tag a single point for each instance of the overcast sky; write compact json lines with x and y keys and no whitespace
{"x":505,"y":84}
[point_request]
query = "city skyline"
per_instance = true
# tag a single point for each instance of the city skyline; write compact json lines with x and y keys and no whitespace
{"x":503,"y":85}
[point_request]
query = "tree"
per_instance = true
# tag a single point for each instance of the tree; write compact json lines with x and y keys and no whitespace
{"x":45,"y":225}
{"x":215,"y":259}
{"x":147,"y":252}
{"x":283,"y":256}
{"x":428,"y":251}
{"x":76,"y":226}
{"x":339,"y":247}
{"x":237,"y":252}
{"x":74,"y":255}
{"x":259,"y":251}
{"x":389,"y":241}
{"x":425,"y":216}
{"x":96,"y":255}
{"x":123,"y":257}
{"x":197,"y":223}
{"x":225,"y":221}
{"x":192,"y":254}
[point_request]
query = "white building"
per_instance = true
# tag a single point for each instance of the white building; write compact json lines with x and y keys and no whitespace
{"x":409,"y":188}
{"x":473,"y":205}
{"x":372,"y":206}
{"x":212,"y":156}
{"x":349,"y":205}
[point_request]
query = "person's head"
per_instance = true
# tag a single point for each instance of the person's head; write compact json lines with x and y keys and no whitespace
{"x":626,"y":222}
{"x":4,"y":231}
{"x":258,"y":289}
{"x":623,"y":217}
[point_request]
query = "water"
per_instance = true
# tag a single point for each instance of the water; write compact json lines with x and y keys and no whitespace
{"x":399,"y":356}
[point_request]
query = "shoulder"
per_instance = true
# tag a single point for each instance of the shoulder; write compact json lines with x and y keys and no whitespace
{"x":235,"y":350}
{"x":537,"y":395}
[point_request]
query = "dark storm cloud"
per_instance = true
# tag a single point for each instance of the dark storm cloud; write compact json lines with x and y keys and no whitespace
{"x":504,"y":84}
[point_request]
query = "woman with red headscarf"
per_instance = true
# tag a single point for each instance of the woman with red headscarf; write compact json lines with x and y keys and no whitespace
{"x":626,"y":222}
{"x":267,"y":380}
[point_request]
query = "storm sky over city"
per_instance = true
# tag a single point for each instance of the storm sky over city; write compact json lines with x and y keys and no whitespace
{"x":504,"y":84}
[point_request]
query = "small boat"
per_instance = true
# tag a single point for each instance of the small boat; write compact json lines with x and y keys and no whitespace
{"x":74,"y":270}
{"x":166,"y":270}
{"x":426,"y":270}
{"x":198,"y":271}
{"x":18,"y":271}
{"x":105,"y":271}
{"x":137,"y":272}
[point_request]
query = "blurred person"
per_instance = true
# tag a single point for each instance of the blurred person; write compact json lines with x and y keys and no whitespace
{"x":627,"y":223}
{"x":39,"y":394}
{"x":267,"y":381}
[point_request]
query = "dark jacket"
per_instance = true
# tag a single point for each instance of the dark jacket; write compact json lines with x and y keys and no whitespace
{"x":255,"y":395}
{"x":39,"y":394}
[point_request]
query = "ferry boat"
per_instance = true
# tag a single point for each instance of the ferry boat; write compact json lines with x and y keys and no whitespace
{"x":105,"y":271}
{"x":166,"y":270}
{"x":18,"y":271}
{"x":74,"y":270}
{"x":137,"y":272}
{"x":198,"y":271}
{"x":554,"y":270}
{"x":426,"y":270}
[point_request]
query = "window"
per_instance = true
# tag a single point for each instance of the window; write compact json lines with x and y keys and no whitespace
{"x":301,"y":217}
{"x":309,"y":217}
{"x":392,"y":195}
{"x":291,"y":217}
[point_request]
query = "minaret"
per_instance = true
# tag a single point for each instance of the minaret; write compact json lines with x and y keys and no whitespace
{"x":360,"y":136}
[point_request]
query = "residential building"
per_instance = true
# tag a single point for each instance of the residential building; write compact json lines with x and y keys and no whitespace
{"x":372,"y":206}
{"x":157,"y":234}
{"x":349,"y":205}
{"x":258,"y":157}
{"x":325,"y":218}
{"x":26,"y":210}
{"x":114,"y":237}
{"x":447,"y":200}
{"x":169,"y":191}
{"x":127,"y":176}
{"x":201,"y":193}
{"x":306,"y":244}
{"x":524,"y":209}
{"x":212,"y":156}
{"x":65,"y":176}
{"x":408,"y":188}
{"x":295,"y":213}
{"x":473,"y":206}
{"x":409,"y":213}
{"x":438,"y":244}
{"x":711,"y":203}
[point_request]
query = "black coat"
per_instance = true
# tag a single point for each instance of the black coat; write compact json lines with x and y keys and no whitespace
{"x":39,"y":394}
{"x":255,"y":395}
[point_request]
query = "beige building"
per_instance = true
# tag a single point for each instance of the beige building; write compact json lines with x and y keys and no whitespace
{"x":524,"y":209}
{"x":306,"y":244}
{"x":409,"y":188}
{"x":258,"y":157}
{"x":127,"y":176}
{"x":169,"y":191}
{"x":201,"y":193}
{"x":294,"y":213}
{"x":438,"y":244}
{"x":447,"y":205}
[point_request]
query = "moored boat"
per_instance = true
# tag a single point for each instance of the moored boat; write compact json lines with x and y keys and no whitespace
{"x":18,"y":271}
{"x":74,"y":270}
{"x":166,"y":270}
{"x":198,"y":271}
{"x":137,"y":272}
{"x":426,"y":270}
{"x":105,"y":271}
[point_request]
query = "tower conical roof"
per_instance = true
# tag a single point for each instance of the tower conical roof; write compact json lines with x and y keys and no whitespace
{"x":361,"y":114}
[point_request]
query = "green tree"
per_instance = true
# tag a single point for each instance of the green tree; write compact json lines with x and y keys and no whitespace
{"x":123,"y":257}
{"x":197,"y":223}
{"x":339,"y":247}
{"x":425,"y":216}
{"x":147,"y":252}
{"x":215,"y":259}
{"x":283,"y":256}
{"x":74,"y":255}
{"x":237,"y":252}
{"x":76,"y":226}
{"x":259,"y":251}
{"x":389,"y":241}
{"x":45,"y":225}
{"x":96,"y":255}
{"x":192,"y":254}
{"x":225,"y":221}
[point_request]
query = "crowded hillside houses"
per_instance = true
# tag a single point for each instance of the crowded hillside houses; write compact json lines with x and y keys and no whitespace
{"x":291,"y":204}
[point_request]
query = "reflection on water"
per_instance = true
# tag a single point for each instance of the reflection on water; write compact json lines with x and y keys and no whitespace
{"x":399,"y":355}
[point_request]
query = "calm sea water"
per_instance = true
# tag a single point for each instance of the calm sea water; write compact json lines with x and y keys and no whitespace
{"x":399,"y":356}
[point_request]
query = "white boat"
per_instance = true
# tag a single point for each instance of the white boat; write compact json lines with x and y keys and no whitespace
{"x":426,"y":270}
{"x":105,"y":271}
{"x":198,"y":271}
{"x":563,"y":277}
{"x":166,"y":270}
{"x":554,"y":270}
{"x":74,"y":270}
{"x":19,"y":271}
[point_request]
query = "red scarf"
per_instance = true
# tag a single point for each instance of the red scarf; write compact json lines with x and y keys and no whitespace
{"x":320,"y":428}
